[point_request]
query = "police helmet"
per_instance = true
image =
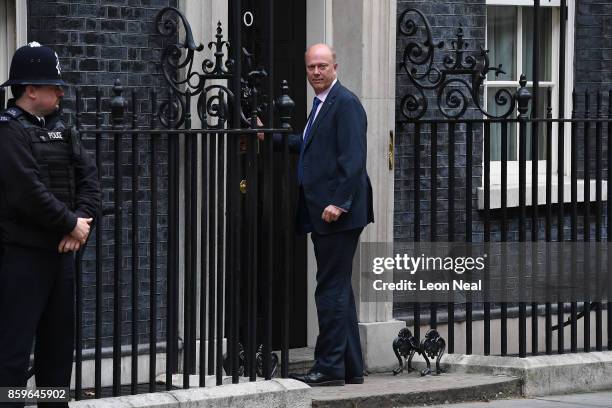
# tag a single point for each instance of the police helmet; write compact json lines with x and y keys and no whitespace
{"x":35,"y":64}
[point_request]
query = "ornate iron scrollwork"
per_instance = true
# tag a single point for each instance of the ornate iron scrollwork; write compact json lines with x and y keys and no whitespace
{"x":243,"y":363}
{"x":214,"y":98}
{"x":172,"y":54}
{"x":405,"y":346}
{"x":260,"y":362}
{"x":432,"y":346}
{"x":453,"y":90}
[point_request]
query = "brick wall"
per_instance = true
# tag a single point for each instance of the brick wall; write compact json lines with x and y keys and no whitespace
{"x":99,"y":41}
{"x":593,"y":44}
{"x":593,"y":64}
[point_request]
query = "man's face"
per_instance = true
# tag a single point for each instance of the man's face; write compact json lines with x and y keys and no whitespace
{"x":47,"y":98}
{"x":320,"y":68}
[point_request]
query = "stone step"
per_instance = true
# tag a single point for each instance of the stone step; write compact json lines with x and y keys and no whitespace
{"x":406,"y":390}
{"x":300,"y":359}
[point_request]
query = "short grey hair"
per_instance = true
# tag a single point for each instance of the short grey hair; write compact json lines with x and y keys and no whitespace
{"x":331,"y":48}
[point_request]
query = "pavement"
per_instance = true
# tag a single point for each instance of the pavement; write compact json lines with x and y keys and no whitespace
{"x":590,"y":400}
{"x":410,"y":389}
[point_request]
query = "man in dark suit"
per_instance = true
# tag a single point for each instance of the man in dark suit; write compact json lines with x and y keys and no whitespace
{"x":335,"y":204}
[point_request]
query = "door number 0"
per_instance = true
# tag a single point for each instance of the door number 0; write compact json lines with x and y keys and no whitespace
{"x":248,"y":19}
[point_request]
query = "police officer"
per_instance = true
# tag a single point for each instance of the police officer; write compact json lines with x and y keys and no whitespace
{"x":49,"y":196}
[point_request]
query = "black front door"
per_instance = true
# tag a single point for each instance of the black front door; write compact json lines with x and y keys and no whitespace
{"x":289,"y":46}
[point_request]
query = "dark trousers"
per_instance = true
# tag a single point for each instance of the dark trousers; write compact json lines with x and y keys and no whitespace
{"x":36,"y":300}
{"x":338,"y":348}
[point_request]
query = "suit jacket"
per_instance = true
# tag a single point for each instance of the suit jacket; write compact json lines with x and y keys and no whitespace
{"x":334,"y":163}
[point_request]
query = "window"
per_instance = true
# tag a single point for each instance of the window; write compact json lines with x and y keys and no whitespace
{"x":510,"y":33}
{"x":509,"y":39}
{"x":13,"y":32}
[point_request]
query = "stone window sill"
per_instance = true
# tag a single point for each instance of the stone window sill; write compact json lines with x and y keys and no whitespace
{"x":513,"y":193}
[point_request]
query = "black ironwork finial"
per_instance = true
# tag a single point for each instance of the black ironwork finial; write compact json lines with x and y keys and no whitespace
{"x":523,"y":96}
{"x":218,"y":67}
{"x":118,"y":104}
{"x":187,"y":109}
{"x":599,"y":102}
{"x":458,"y":45}
{"x":587,"y":102}
{"x":285,"y":106}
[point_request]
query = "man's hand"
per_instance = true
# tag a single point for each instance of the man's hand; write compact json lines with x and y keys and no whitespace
{"x":260,"y":135}
{"x":331,"y":213}
{"x":81,"y":229}
{"x":68,"y":244}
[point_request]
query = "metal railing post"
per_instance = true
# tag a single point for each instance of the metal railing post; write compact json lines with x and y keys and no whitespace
{"x":118,"y":104}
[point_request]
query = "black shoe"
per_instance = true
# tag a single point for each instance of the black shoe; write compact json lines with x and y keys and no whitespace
{"x":296,"y":376}
{"x":317,"y":379}
{"x":354,"y":380}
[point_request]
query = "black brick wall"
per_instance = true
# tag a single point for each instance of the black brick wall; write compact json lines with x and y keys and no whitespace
{"x":99,"y":41}
{"x":593,"y":64}
{"x":593,"y":45}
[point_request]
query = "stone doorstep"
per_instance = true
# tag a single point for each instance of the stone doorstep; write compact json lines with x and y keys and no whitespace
{"x":539,"y":375}
{"x":410,"y":389}
{"x":475,"y":378}
{"x":301,"y":360}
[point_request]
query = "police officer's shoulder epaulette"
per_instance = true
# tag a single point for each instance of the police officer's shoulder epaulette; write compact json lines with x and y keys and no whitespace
{"x":13,"y":112}
{"x":8,"y":114}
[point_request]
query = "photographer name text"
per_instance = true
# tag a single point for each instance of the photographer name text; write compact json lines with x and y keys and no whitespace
{"x":409,"y":285}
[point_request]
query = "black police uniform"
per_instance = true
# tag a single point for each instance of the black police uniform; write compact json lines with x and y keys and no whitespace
{"x":47,"y":181}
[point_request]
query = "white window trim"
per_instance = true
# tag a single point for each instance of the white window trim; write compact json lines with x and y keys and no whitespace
{"x":513,"y":190}
{"x":14,"y":14}
{"x":21,"y":22}
{"x":543,"y":3}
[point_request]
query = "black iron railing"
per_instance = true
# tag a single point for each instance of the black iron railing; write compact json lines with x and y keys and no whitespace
{"x":211,"y":199}
{"x":460,"y":129}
